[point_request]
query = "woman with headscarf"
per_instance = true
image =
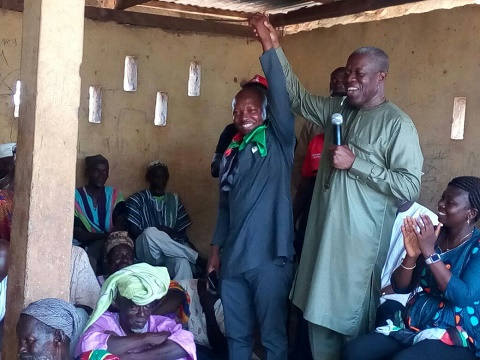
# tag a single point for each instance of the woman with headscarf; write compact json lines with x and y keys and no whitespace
{"x":441,"y":321}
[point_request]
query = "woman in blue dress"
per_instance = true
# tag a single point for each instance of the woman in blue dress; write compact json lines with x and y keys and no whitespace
{"x":442,"y":320}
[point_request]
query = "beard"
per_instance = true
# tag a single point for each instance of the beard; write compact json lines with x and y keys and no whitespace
{"x":142,"y":330}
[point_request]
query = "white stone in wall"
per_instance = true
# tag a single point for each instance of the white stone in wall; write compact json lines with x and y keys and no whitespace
{"x":194,"y":79}
{"x":95,"y":104}
{"x":130,"y":73}
{"x":161,"y":109}
{"x":458,"y":120}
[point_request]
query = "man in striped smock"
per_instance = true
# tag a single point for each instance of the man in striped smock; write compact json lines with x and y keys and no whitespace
{"x":158,"y":221}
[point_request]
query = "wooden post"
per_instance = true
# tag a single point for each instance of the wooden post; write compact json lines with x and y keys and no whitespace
{"x":40,"y":250}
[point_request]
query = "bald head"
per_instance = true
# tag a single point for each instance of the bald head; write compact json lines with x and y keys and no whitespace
{"x":378,"y":57}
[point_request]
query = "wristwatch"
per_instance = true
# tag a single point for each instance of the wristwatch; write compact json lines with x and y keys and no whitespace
{"x":432,"y":259}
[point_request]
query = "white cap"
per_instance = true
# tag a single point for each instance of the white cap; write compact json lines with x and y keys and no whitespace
{"x":7,"y":150}
{"x":337,"y":119}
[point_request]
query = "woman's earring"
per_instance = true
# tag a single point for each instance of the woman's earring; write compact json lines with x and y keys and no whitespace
{"x":468,"y":221}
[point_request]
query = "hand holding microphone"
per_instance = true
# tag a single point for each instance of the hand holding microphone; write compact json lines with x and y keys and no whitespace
{"x":342,"y":156}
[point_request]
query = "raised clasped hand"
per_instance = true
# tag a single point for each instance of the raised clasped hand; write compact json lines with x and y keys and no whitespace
{"x":264,"y":30}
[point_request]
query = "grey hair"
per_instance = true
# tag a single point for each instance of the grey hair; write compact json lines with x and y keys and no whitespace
{"x":381,"y":58}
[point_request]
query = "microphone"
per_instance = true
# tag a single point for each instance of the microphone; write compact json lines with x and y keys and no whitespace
{"x":337,"y":120}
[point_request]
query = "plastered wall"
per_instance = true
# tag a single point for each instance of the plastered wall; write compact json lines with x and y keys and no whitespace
{"x":434,"y":57}
{"x":127,"y":135}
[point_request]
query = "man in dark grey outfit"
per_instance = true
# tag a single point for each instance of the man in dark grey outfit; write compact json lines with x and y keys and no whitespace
{"x":254,"y":229}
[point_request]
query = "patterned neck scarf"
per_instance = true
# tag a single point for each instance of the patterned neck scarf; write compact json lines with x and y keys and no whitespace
{"x":239,"y":142}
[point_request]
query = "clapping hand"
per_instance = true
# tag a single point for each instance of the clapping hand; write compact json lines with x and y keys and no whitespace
{"x":426,"y":235}
{"x":410,"y":240}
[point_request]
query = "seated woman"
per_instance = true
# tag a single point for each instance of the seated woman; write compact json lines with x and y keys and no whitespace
{"x":441,"y":321}
{"x":158,"y":222}
{"x":134,"y":332}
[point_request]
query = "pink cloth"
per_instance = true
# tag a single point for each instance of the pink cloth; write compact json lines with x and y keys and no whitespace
{"x":95,"y":338}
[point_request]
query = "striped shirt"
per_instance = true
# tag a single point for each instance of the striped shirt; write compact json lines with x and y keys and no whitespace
{"x":145,"y":210}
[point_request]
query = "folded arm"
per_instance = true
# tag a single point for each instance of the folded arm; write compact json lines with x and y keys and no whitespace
{"x":122,"y":345}
{"x":169,"y":350}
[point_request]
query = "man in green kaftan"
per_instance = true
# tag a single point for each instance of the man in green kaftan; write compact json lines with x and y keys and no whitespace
{"x":355,"y":198}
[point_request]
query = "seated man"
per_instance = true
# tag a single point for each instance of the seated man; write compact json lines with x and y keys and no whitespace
{"x":158,"y":221}
{"x":7,"y":172}
{"x":45,"y":331}
{"x":84,"y":288}
{"x":133,"y":333}
{"x":98,"y":210}
{"x":119,"y":254}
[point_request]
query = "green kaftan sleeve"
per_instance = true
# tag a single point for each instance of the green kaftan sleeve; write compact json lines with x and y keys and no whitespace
{"x":401,"y":177}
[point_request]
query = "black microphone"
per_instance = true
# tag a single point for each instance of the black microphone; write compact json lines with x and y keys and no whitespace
{"x":337,"y":120}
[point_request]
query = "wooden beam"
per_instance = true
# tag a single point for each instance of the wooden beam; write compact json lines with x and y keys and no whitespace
{"x":325,"y":1}
{"x":107,"y":4}
{"x":13,"y":5}
{"x":166,"y":22}
{"x":190,"y":9}
{"x":332,"y":10}
{"x":125,"y":4}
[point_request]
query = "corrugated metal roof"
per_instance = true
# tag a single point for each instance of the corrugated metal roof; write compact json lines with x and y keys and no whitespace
{"x":270,"y":6}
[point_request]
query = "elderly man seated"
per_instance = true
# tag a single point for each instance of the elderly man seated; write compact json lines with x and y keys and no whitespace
{"x":133,"y":333}
{"x":119,"y":253}
{"x":46,"y":330}
{"x":158,"y":221}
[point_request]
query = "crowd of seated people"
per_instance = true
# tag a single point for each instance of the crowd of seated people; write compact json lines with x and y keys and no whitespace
{"x":133,"y":294}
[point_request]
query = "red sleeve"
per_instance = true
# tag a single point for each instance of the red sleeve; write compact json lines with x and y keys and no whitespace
{"x":313,"y":156}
